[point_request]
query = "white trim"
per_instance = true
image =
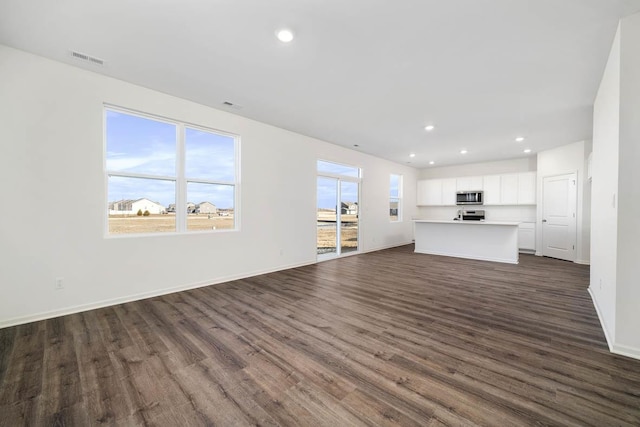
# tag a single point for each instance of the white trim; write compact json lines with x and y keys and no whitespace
{"x":614,"y":348}
{"x":144,"y":295}
{"x":624,"y":350}
{"x":582,"y":262}
{"x":393,"y":245}
{"x":602,"y":324}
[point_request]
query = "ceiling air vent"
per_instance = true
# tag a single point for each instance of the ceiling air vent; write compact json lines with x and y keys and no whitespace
{"x":232,"y":105}
{"x":87,"y":58}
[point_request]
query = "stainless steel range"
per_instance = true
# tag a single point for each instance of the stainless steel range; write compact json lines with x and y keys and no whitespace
{"x":470,"y":215}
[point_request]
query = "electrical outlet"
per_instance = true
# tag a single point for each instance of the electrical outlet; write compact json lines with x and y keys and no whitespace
{"x":58,"y":284}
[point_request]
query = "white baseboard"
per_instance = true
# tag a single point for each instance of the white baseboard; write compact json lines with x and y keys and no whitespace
{"x":619,"y":349}
{"x":377,"y":248}
{"x":602,"y":324}
{"x":583,"y":262}
{"x":136,"y":297}
{"x":381,"y":248}
{"x":624,"y":350}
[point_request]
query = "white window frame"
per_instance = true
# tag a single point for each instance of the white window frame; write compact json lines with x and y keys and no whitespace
{"x":398,"y":199}
{"x":180,"y":179}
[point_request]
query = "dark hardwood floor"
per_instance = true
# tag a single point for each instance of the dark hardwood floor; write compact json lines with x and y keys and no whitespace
{"x":386,"y":338}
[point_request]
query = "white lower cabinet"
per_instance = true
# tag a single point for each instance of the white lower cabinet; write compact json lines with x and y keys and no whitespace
{"x":527,"y":236}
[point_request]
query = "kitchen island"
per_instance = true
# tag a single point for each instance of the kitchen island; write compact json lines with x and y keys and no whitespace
{"x":484,"y":240}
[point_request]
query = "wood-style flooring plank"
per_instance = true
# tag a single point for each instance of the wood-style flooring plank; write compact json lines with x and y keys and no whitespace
{"x":389,"y":338}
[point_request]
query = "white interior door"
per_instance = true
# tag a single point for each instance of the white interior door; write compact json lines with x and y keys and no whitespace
{"x":559,"y":216}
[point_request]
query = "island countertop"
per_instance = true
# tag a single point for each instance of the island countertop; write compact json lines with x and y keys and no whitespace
{"x":483,"y":240}
{"x":452,"y":221}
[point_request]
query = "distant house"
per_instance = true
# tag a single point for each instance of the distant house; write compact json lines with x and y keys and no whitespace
{"x":148,"y":205}
{"x":349,"y":208}
{"x":171,"y":208}
{"x":191,"y":208}
{"x":206,"y":208}
{"x":131,"y":207}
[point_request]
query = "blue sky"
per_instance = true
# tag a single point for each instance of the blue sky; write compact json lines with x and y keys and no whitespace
{"x":327,"y":187}
{"x":140,"y":145}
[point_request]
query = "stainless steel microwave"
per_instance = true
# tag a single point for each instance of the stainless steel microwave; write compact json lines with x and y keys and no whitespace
{"x":469,"y":198}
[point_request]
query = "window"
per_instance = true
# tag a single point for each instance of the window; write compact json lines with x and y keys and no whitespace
{"x":167,"y":176}
{"x":336,"y":169}
{"x":395,"y":198}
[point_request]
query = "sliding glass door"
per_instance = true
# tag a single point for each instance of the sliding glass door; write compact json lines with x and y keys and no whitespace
{"x":327,"y":216}
{"x":348,"y":218}
{"x":337,"y":214}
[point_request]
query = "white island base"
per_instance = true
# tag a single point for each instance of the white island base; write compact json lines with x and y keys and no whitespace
{"x":483,"y":240}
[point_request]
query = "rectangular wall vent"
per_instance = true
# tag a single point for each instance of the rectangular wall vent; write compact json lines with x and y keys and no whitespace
{"x":87,"y":58}
{"x":232,"y":105}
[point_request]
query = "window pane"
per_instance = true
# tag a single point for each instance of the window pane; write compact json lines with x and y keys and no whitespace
{"x":209,"y":156}
{"x":327,"y":215}
{"x":140,"y":205}
{"x":394,"y":209}
{"x":338,"y":169}
{"x":395,"y":186}
{"x":210,"y":207}
{"x":140,"y":145}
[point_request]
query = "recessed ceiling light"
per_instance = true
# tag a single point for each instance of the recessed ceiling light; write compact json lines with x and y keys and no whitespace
{"x":520,"y":139}
{"x":412,"y":155}
{"x":463,"y":151}
{"x":527,"y":150}
{"x":432,"y":162}
{"x":284,"y":35}
{"x":429,"y":128}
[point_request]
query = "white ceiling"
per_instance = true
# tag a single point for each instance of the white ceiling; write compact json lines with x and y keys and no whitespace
{"x":366,"y":72}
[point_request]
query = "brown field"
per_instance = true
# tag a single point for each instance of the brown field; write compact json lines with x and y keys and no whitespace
{"x":166,"y":223}
{"x":327,"y":234}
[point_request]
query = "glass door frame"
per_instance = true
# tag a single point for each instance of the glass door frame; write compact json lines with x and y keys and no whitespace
{"x":339,"y":179}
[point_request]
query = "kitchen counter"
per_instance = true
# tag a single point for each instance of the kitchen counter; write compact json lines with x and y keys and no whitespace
{"x":451,"y":221}
{"x":484,"y":240}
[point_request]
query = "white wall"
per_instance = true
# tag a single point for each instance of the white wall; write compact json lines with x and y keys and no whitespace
{"x":493,"y":213}
{"x":615,"y":286}
{"x":604,"y":211}
{"x":52,"y":151}
{"x":627,"y":335}
{"x":562,"y":160}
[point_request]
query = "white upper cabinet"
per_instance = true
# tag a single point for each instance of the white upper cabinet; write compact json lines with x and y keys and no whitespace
{"x":506,"y":189}
{"x":436,"y":192}
{"x":509,"y":189}
{"x":449,"y":191}
{"x":491,"y":189}
{"x":527,"y":188}
{"x":469,"y":183}
{"x":429,"y":192}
